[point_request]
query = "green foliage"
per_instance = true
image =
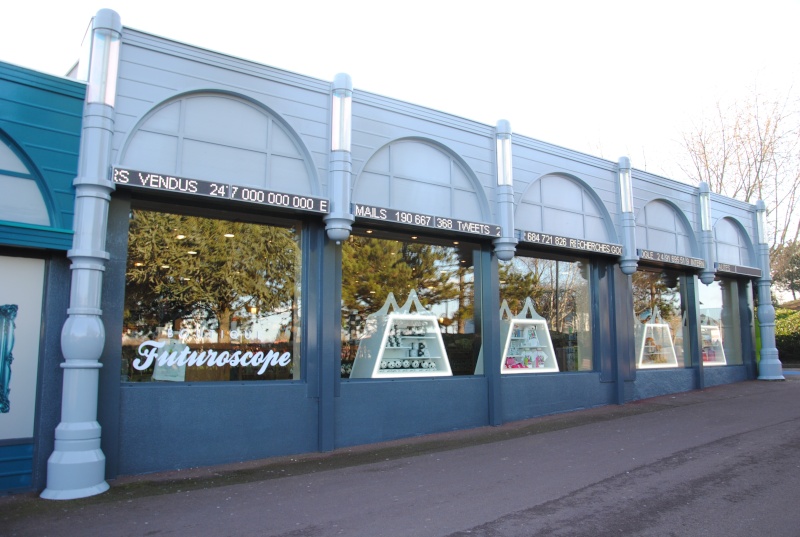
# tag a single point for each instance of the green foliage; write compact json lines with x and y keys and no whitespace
{"x":185,"y":266}
{"x":787,"y":335}
{"x":653,"y":292}
{"x":376,"y":267}
{"x":786,"y":267}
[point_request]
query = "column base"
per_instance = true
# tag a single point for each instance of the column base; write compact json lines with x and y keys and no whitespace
{"x":75,"y":474}
{"x":770,"y":367}
{"x":74,"y":494}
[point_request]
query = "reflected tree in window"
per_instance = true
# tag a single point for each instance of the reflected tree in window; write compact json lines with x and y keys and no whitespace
{"x":655,"y":292}
{"x":441,"y":275}
{"x":560,"y":292}
{"x":207,"y":270}
{"x":376,"y":267}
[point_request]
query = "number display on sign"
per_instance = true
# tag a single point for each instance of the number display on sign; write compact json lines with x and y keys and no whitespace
{"x":169,"y":183}
{"x":424,"y":220}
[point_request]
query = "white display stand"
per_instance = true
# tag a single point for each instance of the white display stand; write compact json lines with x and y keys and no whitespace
{"x":527,"y":347}
{"x":399,"y":343}
{"x":655,"y":348}
{"x":713,"y":353}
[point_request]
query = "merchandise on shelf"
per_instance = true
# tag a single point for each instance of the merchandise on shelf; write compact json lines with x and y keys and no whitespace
{"x":401,"y":342}
{"x":654,"y":344}
{"x":713,"y":351}
{"x":527,"y":347}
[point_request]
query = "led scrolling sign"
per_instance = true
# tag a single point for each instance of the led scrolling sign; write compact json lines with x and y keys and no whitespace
{"x":219,"y":189}
{"x":445,"y":223}
{"x":672,"y":259}
{"x":557,"y":241}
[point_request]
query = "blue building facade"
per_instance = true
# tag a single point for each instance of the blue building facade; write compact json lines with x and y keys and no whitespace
{"x":292,"y":265}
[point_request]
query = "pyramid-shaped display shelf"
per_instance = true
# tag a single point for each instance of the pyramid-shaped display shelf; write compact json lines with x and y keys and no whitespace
{"x":401,"y":342}
{"x":655,"y":346}
{"x":527,"y":347}
{"x":713,"y":352}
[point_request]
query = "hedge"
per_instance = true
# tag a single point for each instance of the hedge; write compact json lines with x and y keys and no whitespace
{"x":787,"y":335}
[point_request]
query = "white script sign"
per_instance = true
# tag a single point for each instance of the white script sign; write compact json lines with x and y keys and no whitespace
{"x":149,"y":354}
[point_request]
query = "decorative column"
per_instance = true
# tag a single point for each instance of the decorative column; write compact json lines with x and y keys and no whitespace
{"x":769,"y":367}
{"x":506,"y":244}
{"x":706,"y":237}
{"x":629,"y":260}
{"x":76,"y":468}
{"x":339,"y":223}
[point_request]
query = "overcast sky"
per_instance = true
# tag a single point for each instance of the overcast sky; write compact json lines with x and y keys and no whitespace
{"x":608,"y":78}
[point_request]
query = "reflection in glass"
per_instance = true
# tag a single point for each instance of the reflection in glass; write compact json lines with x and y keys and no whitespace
{"x":210,"y":300}
{"x":560,"y":292}
{"x":720,"y":323}
{"x":442,"y":275}
{"x":659,"y":309}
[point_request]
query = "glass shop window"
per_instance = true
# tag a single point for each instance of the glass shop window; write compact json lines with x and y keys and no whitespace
{"x":210,"y":300}
{"x":546,"y":309}
{"x":408,"y":306}
{"x":721,"y":323}
{"x":660,"y":319}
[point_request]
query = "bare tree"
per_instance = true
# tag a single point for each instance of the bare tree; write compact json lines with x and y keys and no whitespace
{"x":751,"y":151}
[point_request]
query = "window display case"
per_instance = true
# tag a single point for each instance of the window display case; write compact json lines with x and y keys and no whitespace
{"x":400,"y":343}
{"x":713,"y":352}
{"x":655,"y":347}
{"x":527,"y":347}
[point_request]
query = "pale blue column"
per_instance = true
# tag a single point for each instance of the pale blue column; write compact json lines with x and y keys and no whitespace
{"x":706,"y":237}
{"x":769,"y":367}
{"x":76,"y":468}
{"x":630,"y":259}
{"x":506,"y":244}
{"x":339,"y":222}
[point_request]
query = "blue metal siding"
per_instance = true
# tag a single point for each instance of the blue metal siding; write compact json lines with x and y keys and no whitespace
{"x":42,"y":114}
{"x":16,"y":466}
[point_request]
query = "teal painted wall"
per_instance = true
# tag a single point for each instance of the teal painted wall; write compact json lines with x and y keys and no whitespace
{"x":40,"y":116}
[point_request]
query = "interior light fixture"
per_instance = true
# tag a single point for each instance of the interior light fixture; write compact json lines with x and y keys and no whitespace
{"x":369,"y":231}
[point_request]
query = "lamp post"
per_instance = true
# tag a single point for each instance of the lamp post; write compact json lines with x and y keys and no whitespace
{"x":629,"y":260}
{"x":339,"y":223}
{"x":769,"y":367}
{"x":506,"y":244}
{"x":706,"y":238}
{"x":76,"y":468}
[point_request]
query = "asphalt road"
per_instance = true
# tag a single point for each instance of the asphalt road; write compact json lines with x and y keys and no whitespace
{"x":719,"y":462}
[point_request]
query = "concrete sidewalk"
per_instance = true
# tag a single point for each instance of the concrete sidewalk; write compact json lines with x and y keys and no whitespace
{"x":645,"y":468}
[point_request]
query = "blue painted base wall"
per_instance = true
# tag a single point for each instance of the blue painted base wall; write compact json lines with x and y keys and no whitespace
{"x":716,"y":376}
{"x":375,"y":411}
{"x":528,"y":396}
{"x":167,"y":427}
{"x":653,"y":383}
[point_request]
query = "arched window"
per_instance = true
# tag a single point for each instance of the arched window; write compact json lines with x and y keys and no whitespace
{"x":22,"y":200}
